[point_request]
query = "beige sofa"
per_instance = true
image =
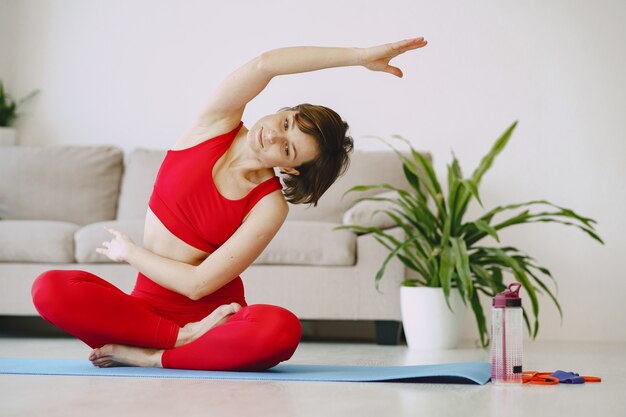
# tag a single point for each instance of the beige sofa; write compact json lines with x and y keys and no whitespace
{"x":54,"y":202}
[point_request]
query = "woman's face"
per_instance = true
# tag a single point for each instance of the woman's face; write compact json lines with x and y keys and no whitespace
{"x":279,"y":142}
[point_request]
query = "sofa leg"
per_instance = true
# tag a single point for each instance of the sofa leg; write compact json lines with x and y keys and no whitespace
{"x":388,"y":332}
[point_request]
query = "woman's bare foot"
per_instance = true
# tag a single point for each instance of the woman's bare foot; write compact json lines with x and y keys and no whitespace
{"x":193,"y":331}
{"x":122,"y":355}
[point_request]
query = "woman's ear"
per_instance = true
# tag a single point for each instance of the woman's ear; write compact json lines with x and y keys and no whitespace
{"x":290,"y":171}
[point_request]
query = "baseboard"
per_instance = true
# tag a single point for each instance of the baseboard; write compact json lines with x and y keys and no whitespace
{"x":29,"y":326}
{"x":312,"y":330}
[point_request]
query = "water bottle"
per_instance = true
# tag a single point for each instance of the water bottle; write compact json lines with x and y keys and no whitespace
{"x":507,"y":337}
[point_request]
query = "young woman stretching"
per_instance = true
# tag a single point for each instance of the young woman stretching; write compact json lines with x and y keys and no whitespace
{"x":215,"y":206}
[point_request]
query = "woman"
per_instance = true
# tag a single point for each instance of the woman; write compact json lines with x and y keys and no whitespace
{"x":215,"y":206}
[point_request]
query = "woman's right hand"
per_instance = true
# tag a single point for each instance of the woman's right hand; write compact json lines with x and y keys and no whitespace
{"x":118,"y":248}
{"x":377,"y":58}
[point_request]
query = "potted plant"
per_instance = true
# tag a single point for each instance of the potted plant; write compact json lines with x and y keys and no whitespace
{"x":8,"y":114}
{"x":445,"y":251}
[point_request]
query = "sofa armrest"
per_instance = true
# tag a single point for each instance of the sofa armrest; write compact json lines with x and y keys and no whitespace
{"x":370,"y":213}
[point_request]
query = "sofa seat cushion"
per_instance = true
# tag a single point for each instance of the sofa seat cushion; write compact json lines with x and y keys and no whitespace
{"x":310,"y":243}
{"x":37,"y":241}
{"x":90,"y":237}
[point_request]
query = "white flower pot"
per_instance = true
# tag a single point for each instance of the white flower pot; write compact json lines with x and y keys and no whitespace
{"x":428,"y":322}
{"x":8,"y":136}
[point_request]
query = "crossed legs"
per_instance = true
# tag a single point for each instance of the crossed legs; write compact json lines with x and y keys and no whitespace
{"x":125,"y":330}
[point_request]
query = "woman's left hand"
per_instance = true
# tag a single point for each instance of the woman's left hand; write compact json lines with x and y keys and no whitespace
{"x":377,"y":58}
{"x":118,"y":248}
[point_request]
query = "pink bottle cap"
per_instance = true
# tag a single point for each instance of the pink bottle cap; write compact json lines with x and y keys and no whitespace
{"x":509,"y":298}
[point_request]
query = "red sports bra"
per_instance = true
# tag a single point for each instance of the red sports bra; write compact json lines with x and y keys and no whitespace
{"x":187,"y":202}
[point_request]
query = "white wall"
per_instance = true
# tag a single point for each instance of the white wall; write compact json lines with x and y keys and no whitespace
{"x":134,"y":73}
{"x":6,"y":40}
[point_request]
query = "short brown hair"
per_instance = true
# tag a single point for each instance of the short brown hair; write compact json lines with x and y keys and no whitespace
{"x":334,"y":145}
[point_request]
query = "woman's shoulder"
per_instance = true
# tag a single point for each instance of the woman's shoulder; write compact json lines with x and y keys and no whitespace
{"x":272,"y":207}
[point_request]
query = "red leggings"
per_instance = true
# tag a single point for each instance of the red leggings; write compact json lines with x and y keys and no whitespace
{"x":257,"y":337}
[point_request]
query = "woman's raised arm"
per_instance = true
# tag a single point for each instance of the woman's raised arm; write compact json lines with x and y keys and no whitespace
{"x":229,"y":100}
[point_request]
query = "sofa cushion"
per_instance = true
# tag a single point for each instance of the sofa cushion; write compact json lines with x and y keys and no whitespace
{"x":77,"y":184}
{"x":310,"y":243}
{"x":37,"y":241}
{"x":366,"y":167}
{"x":141,"y":171}
{"x":90,"y":237}
{"x":370,"y":213}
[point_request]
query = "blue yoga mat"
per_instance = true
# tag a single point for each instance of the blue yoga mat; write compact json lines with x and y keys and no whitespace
{"x":456,"y":373}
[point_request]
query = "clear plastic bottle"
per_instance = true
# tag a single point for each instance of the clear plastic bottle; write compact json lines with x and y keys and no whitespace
{"x":507,"y":337}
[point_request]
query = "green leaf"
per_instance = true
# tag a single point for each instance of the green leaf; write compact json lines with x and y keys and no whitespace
{"x":355,"y":227}
{"x":423,"y":164}
{"x":527,"y":321}
{"x":522,"y":278}
{"x":362,"y":188}
{"x":490,"y":282}
{"x":490,"y":214}
{"x":408,"y":232}
{"x":564,"y":212}
{"x":422,"y":223}
{"x":375,"y":231}
{"x":473,"y":235}
{"x":445,"y":274}
{"x":455,"y":193}
{"x":547,"y":290}
{"x":486,"y":228}
{"x":446,"y":269}
{"x":480,"y":320}
{"x":546,"y":272}
{"x":408,"y":262}
{"x":526,"y":217}
{"x":382,"y":242}
{"x":413,"y":179}
{"x":445,"y":264}
{"x":459,"y":202}
{"x":472,"y":187}
{"x":591,"y":233}
{"x":428,"y":170}
{"x":456,"y":167}
{"x":389,"y":257}
{"x":454,"y":172}
{"x":488,"y":159}
{"x":498,"y":279}
{"x":462,"y":264}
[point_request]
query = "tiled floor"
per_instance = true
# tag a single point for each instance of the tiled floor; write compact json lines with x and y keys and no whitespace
{"x":24,"y":395}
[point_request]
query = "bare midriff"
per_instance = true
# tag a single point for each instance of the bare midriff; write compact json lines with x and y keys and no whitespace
{"x":159,"y":240}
